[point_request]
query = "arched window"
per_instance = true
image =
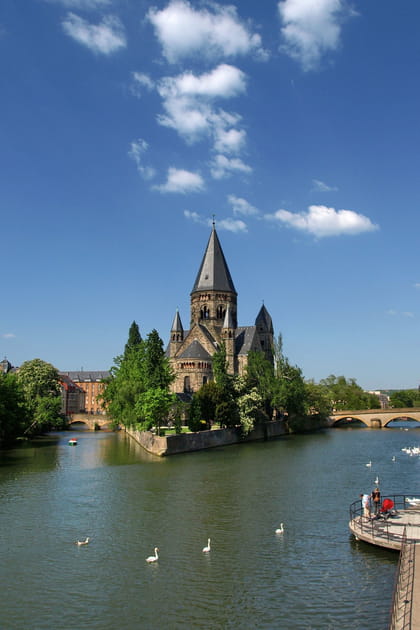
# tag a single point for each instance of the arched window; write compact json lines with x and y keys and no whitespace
{"x":204,"y":380}
{"x":187,"y":384}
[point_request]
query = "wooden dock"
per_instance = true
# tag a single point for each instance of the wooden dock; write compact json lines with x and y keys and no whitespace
{"x":399,"y":532}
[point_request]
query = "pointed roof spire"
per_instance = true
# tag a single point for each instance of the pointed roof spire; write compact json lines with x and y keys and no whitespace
{"x":213,"y":273}
{"x":228,"y":321}
{"x":177,"y":324}
{"x":264,"y":320}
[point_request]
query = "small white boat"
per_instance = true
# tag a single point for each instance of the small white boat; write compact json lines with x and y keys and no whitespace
{"x":73,"y":442}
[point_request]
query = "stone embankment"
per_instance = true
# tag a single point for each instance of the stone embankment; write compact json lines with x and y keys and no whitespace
{"x":186,"y":442}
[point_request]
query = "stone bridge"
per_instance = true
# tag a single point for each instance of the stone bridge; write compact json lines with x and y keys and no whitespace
{"x":92,"y":421}
{"x":375,"y":418}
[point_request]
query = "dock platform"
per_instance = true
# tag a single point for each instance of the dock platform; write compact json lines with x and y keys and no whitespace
{"x":399,"y":531}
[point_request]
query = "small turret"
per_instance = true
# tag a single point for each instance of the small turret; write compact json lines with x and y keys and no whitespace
{"x":265,"y":332}
{"x":177,"y":334}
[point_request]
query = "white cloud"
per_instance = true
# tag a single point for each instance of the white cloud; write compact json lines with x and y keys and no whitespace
{"x":228,"y":140}
{"x":181,"y":181}
{"x":417,"y":285}
{"x":232,"y":225}
{"x":188,"y":103}
{"x":242,"y":206}
{"x":140,"y":81}
{"x":137,"y":149}
{"x":322,"y":221}
{"x":229,"y":224}
{"x":8,"y":336}
{"x":223,"y":166}
{"x":311,"y":28}
{"x":106,"y":37}
{"x":214,"y":32}
{"x":408,"y":314}
{"x":320,"y":186}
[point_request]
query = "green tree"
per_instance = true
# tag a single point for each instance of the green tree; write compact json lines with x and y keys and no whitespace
{"x":405,"y":398}
{"x":260,"y":376}
{"x":141,"y":368}
{"x":226,"y":412}
{"x":346,"y":394}
{"x":290,"y":393}
{"x":195,"y":414}
{"x":152,"y":407}
{"x":157,"y":370}
{"x":13,"y":411}
{"x":134,"y":339}
{"x":319,"y":402}
{"x":40,"y":382}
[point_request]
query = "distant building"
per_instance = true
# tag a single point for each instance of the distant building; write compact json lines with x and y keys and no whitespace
{"x":213,"y":321}
{"x":383,"y":398}
{"x":6,"y":366}
{"x":72,"y":396}
{"x":91,"y":383}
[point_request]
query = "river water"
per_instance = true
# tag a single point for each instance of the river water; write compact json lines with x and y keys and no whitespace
{"x":313,"y":576}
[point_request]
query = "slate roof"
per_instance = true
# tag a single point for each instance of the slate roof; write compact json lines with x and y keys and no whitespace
{"x":244,"y":338}
{"x":177,"y":324}
{"x":213,"y":274}
{"x":87,"y":377}
{"x":264,"y":320}
{"x":195,"y":351}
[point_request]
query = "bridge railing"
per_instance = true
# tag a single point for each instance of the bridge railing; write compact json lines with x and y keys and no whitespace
{"x":380,"y":527}
{"x":401,"y":609}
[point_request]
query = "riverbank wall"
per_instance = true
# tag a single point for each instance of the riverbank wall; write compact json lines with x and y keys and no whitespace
{"x":163,"y":446}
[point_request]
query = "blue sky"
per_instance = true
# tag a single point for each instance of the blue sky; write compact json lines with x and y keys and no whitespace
{"x":125,"y":125}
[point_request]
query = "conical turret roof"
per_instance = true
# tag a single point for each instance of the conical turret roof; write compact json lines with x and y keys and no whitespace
{"x":213,"y":274}
{"x":177,"y":324}
{"x":264,"y":320}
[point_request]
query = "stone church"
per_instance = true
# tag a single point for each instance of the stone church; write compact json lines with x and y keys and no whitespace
{"x":213,"y":321}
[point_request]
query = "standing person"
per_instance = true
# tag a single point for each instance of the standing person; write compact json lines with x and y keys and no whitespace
{"x":365,"y":505}
{"x":376,"y":500}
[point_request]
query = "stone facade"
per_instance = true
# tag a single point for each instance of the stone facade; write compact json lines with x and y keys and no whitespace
{"x":213,"y":321}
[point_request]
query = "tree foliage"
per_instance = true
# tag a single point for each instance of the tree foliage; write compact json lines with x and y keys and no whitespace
{"x":138,"y":386}
{"x":346,"y":394}
{"x":40,"y":383}
{"x":405,"y":398}
{"x":14,"y":415}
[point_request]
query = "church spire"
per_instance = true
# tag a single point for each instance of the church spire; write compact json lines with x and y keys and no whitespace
{"x":214,"y":274}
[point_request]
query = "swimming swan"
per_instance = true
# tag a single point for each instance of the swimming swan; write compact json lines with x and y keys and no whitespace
{"x":280,"y":529}
{"x":153,"y":558}
{"x":207,"y":549}
{"x":82,"y":542}
{"x":369,"y":464}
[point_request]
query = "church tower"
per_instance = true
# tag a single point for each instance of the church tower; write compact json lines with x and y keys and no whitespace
{"x":213,"y":291}
{"x":213,"y":322}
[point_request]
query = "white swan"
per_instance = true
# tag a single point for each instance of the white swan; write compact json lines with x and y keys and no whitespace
{"x":369,"y":464}
{"x":207,"y":549}
{"x":280,"y":529}
{"x":82,"y":542}
{"x":153,"y":558}
{"x":393,"y":458}
{"x":376,"y":480}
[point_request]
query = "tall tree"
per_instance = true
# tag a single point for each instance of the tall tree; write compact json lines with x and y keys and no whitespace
{"x":226,"y":413}
{"x":134,"y":339}
{"x":41,"y":386}
{"x":157,"y":369}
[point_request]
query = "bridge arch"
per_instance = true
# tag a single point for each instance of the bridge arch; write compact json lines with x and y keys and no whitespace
{"x":375,"y":418}
{"x":347,"y":421}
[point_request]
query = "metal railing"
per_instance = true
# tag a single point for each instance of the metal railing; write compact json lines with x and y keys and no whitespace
{"x":380,"y":527}
{"x":401,"y":609}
